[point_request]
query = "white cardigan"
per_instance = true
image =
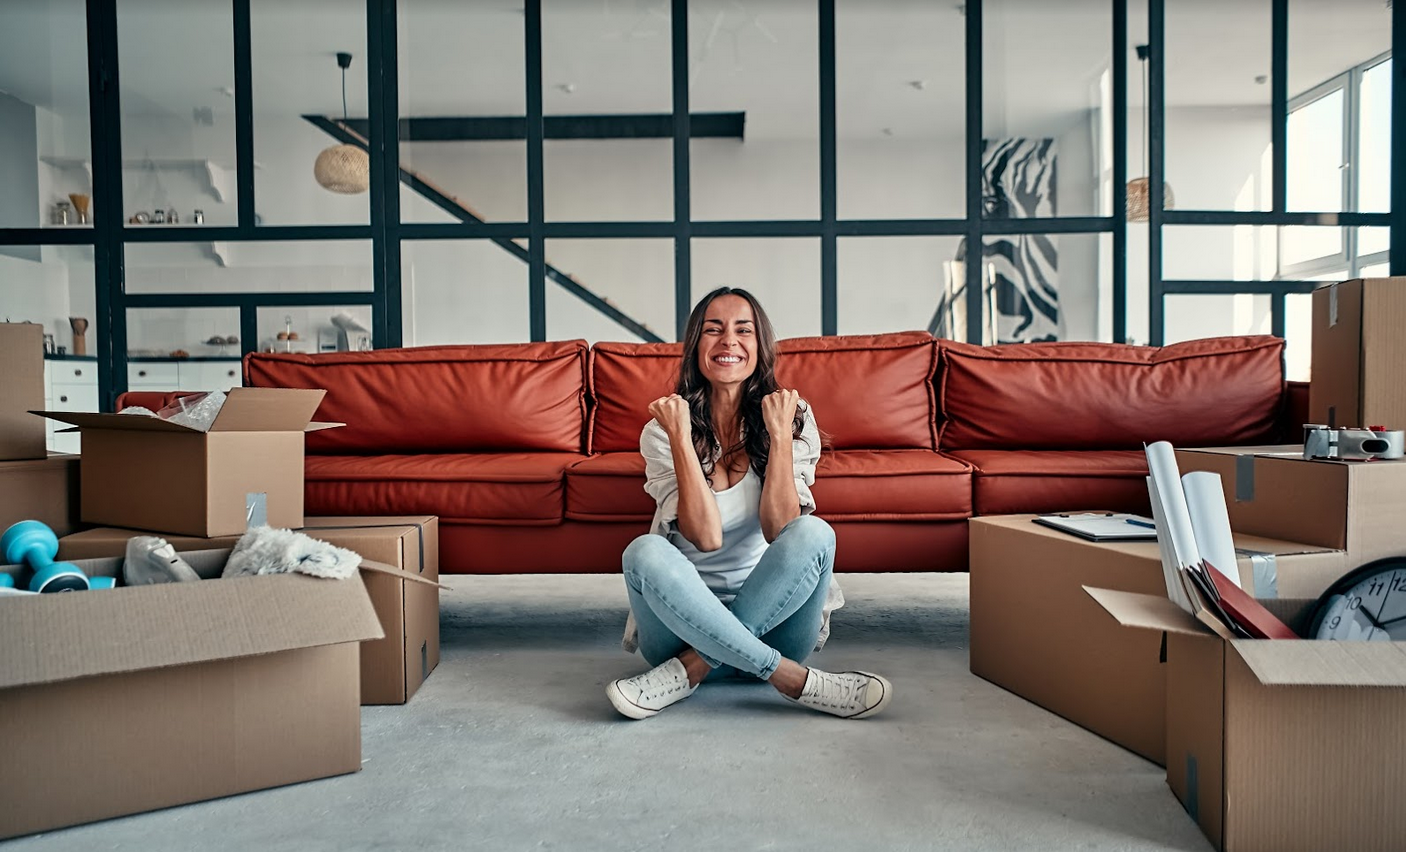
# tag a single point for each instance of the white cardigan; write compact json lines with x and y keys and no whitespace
{"x":662,"y":484}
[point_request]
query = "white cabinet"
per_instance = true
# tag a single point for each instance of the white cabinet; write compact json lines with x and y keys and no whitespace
{"x":68,"y":386}
{"x":213,"y":375}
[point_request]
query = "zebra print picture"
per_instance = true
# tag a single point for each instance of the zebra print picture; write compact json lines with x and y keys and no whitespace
{"x":1018,"y":182}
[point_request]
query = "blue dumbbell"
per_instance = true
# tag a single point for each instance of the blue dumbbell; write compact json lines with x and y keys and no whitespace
{"x":35,"y":543}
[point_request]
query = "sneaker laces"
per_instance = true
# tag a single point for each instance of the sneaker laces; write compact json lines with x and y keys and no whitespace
{"x":834,"y":690}
{"x":659,"y":682}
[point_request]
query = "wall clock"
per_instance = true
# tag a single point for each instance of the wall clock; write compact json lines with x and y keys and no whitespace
{"x":1366,"y":605}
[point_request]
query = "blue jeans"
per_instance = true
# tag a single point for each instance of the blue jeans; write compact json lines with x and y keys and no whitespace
{"x":777,"y":612}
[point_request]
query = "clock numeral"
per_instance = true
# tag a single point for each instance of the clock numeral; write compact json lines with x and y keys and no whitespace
{"x":1378,"y":586}
{"x":1398,"y":582}
{"x":1355,"y":602}
{"x":1333,"y":625}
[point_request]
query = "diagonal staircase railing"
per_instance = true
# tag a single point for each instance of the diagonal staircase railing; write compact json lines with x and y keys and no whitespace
{"x":456,"y":208}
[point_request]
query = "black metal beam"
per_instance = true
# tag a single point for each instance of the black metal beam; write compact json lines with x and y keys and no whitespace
{"x":829,"y":260}
{"x":683,"y":203}
{"x":1279,"y":105}
{"x":976,"y":247}
{"x":1398,"y":145}
{"x":536,"y":198}
{"x":1156,"y":137}
{"x":243,"y":119}
{"x":478,"y":128}
{"x":1204,"y":288}
{"x":1120,"y":171}
{"x":1241,"y":217}
{"x":104,"y":118}
{"x":385,"y":176}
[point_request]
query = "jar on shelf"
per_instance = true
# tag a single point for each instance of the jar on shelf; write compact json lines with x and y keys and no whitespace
{"x":62,"y":214}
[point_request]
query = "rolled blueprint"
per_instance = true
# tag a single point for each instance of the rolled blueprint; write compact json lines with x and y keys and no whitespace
{"x":1171,"y":572}
{"x":1162,"y":463}
{"x":1210,"y":521}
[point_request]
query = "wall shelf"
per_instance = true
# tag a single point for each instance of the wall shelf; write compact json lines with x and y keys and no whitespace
{"x":219,"y":178}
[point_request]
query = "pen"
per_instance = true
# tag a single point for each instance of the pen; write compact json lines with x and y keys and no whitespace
{"x":1135,"y":522}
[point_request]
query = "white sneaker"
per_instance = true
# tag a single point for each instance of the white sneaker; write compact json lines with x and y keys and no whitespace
{"x":849,"y":695}
{"x":642,"y":696}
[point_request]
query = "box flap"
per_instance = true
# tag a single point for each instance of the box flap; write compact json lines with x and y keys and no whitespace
{"x":50,"y":638}
{"x":267,"y":410}
{"x":1146,"y":612}
{"x":382,"y":568}
{"x":130,"y":422}
{"x":318,"y":427}
{"x":1324,"y":663}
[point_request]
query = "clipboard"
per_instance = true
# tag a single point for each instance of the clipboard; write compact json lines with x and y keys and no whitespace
{"x":1101,"y":526}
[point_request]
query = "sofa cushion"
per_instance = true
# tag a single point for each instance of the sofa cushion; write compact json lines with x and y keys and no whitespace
{"x":608,"y":487}
{"x":496,"y":488}
{"x":624,"y":379}
{"x":1010,"y":482}
{"x":440,"y":399}
{"x":869,"y":392}
{"x":1087,"y":396}
{"x":891,"y":485}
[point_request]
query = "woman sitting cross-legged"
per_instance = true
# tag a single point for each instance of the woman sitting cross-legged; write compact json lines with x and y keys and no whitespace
{"x":735,"y":573}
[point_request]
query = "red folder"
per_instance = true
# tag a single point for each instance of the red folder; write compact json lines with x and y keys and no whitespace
{"x":1247,"y":612}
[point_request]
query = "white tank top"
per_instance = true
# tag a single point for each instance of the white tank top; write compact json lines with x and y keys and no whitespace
{"x":739,"y":508}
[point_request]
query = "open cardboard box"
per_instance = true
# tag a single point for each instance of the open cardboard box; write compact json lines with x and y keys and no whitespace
{"x":152,"y":474}
{"x":1280,"y":745}
{"x":1354,"y":506}
{"x":1036,"y":633}
{"x":144,"y":697}
{"x":407,"y":602}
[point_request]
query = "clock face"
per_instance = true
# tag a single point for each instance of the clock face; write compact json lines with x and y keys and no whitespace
{"x":1368,"y":605}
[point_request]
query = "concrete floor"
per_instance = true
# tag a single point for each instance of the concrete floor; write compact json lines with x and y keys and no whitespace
{"x":512,"y":745}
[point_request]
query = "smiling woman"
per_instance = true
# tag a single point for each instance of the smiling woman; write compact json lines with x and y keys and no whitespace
{"x":735,"y":574}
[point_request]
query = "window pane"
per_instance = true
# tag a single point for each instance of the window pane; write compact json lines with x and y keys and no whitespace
{"x":635,"y":276}
{"x":900,"y":110}
{"x":1042,"y":98}
{"x":1316,"y":155}
{"x":1301,"y":243}
{"x":1190,"y":317}
{"x":164,"y":333}
{"x":249,"y":267}
{"x":604,"y":66}
{"x":894,"y":283}
{"x":1373,"y":240}
{"x":1220,"y":252}
{"x":293,"y":49}
{"x":319,"y":328}
{"x":781,"y":272}
{"x":1374,"y":151}
{"x":1045,"y":286}
{"x":44,"y":134}
{"x":759,"y":59}
{"x":1376,"y":270}
{"x":463,"y":291}
{"x":177,"y":115}
{"x":1298,"y":336}
{"x":463,"y":60}
{"x":47,"y":285}
{"x":1218,"y":105}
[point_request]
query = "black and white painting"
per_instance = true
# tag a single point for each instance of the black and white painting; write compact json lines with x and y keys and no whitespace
{"x":1022,"y":271}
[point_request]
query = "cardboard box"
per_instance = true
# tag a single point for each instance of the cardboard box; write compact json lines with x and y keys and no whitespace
{"x":392,"y":668}
{"x":1359,"y":354}
{"x":1280,"y":745}
{"x":40,"y":490}
{"x":22,"y":365}
{"x":145,"y":697}
{"x":152,"y":474}
{"x":1355,"y":506}
{"x":1035,"y":632}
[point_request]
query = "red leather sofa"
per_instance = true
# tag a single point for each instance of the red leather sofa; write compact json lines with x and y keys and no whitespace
{"x":528,"y":453}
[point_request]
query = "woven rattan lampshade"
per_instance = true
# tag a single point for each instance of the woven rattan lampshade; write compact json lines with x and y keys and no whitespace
{"x":1140,"y":198}
{"x":344,"y":168}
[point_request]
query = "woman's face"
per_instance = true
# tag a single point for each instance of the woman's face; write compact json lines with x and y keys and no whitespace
{"x":727,"y":351}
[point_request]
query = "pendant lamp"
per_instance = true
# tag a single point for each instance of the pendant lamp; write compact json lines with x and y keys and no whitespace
{"x":343,"y":168}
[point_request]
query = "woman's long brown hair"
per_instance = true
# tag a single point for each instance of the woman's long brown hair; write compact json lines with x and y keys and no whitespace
{"x":697,"y":391}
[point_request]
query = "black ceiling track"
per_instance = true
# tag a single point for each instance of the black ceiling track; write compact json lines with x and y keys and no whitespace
{"x":345,"y":133}
{"x":703,"y":125}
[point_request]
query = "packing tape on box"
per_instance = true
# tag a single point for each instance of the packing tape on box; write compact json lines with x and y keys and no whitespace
{"x":1265,"y":570}
{"x":1193,"y":798}
{"x":1244,"y":478}
{"x":256,"y":510}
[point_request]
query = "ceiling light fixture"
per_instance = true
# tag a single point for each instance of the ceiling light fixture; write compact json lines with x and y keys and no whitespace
{"x":343,"y":168}
{"x":1140,"y":188}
